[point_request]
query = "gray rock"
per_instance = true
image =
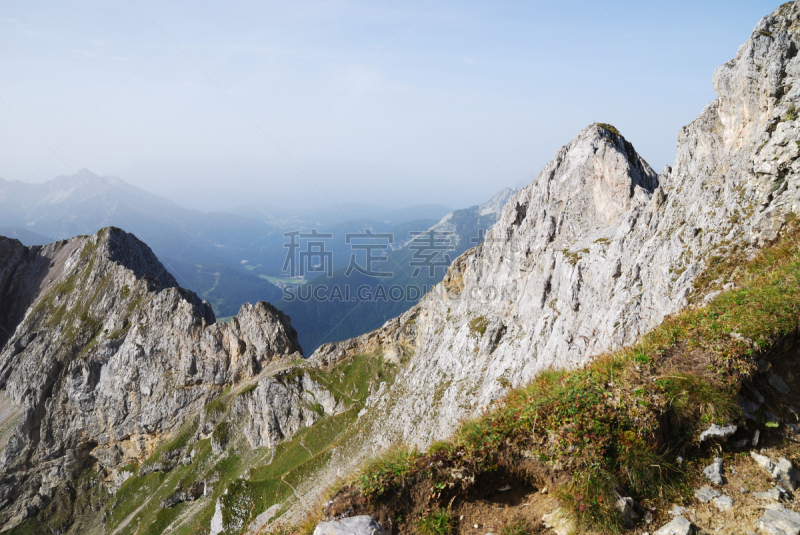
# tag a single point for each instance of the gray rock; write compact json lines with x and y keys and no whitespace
{"x":723,"y":503}
{"x":677,"y":510}
{"x":193,"y":492}
{"x":770,"y":494}
{"x":793,"y":429}
{"x":678,"y":526}
{"x":714,"y":471}
{"x":625,"y":507}
{"x":778,"y":520}
{"x":705,"y":494}
{"x":778,"y":384}
{"x":354,"y":525}
{"x":782,"y":471}
{"x":717,"y":432}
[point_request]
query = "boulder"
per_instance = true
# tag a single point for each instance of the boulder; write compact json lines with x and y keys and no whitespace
{"x":354,"y":525}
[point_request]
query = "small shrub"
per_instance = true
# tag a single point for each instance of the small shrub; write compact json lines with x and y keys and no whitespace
{"x":215,"y":406}
{"x":387,"y":471}
{"x":436,"y":447}
{"x":791,"y":113}
{"x":477,"y":326}
{"x":517,"y":527}
{"x":436,"y":523}
{"x":220,"y":435}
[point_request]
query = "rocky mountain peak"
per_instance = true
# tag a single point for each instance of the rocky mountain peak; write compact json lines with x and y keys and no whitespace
{"x":106,"y":357}
{"x":598,"y":249}
{"x":593,"y":180}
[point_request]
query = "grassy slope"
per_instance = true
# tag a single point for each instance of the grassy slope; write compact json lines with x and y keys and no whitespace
{"x":254,"y":479}
{"x":620,"y":423}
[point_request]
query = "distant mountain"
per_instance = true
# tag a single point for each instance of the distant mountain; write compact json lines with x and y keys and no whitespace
{"x":228,"y":258}
{"x":346,"y":212}
{"x":203,"y":251}
{"x":25,"y":236}
{"x":332,"y":318}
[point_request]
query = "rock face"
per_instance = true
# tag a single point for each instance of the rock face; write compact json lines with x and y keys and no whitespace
{"x":599,"y":249}
{"x":106,"y":357}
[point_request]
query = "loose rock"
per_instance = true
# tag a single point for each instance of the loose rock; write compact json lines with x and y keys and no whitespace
{"x":723,"y":503}
{"x":778,"y":520}
{"x":354,"y":525}
{"x":714,"y":471}
{"x":717,"y":432}
{"x":705,"y":494}
{"x":782,"y":471}
{"x":778,"y":384}
{"x":678,"y":526}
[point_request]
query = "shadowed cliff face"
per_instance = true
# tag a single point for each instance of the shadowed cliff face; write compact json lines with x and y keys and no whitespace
{"x":106,"y":357}
{"x":597,"y":250}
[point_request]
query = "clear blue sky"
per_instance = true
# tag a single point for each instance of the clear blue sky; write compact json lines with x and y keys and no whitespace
{"x":431,"y":118}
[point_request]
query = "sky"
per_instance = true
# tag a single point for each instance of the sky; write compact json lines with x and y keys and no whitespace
{"x":305,"y":103}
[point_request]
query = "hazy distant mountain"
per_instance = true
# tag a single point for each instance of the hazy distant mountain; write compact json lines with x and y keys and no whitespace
{"x":204,"y":251}
{"x":228,"y":258}
{"x":331,"y":319}
{"x":25,"y":236}
{"x":345,"y":212}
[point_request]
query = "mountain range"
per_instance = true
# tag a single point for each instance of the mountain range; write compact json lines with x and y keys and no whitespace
{"x":575,"y":369}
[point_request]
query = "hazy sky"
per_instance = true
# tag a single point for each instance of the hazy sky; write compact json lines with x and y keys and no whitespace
{"x":387,"y":102}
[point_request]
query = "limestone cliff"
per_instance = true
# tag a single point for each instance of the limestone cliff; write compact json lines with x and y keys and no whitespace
{"x":105,"y":357}
{"x":598,"y":249}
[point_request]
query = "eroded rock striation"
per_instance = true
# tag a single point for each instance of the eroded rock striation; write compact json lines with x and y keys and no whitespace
{"x":106,"y":357}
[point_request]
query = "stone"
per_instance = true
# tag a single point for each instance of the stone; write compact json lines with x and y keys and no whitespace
{"x":778,"y":384}
{"x":560,"y":522}
{"x":625,"y":507}
{"x":705,"y":494}
{"x":756,"y":436}
{"x":778,"y":520}
{"x":677,"y":526}
{"x":677,"y":510}
{"x":717,"y":432}
{"x":782,"y":471}
{"x":354,"y":525}
{"x":793,"y":429}
{"x":723,"y":503}
{"x":714,"y":471}
{"x":770,"y":494}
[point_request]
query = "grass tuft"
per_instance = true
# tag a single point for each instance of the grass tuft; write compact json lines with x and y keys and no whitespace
{"x":436,"y":523}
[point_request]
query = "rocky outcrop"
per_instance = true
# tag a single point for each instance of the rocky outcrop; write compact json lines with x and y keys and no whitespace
{"x":106,"y":357}
{"x":599,"y":249}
